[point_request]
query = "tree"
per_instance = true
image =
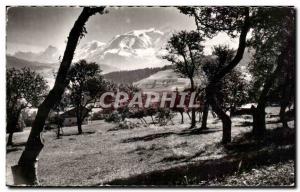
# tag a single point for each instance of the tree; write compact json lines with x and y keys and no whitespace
{"x":25,"y":171}
{"x":24,"y":88}
{"x":231,"y":91}
{"x":185,"y":53}
{"x":86,"y":86}
{"x":210,"y":21}
{"x":274,"y":44}
{"x":60,"y":106}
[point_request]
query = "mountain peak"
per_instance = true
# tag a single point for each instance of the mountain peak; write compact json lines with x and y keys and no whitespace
{"x":144,"y":31}
{"x":49,"y":55}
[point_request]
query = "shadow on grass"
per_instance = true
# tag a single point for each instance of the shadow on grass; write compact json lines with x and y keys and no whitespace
{"x":166,"y":134}
{"x":244,"y":153}
{"x":198,"y":131}
{"x":83,"y":133}
{"x":245,"y":124}
{"x":191,"y":173}
{"x":248,"y":142}
{"x":13,"y":149}
{"x":147,"y":137}
{"x":182,"y":158}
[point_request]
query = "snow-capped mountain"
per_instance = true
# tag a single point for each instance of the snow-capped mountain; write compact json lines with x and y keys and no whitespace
{"x":129,"y":51}
{"x":133,"y":50}
{"x":49,"y":55}
{"x":89,"y":50}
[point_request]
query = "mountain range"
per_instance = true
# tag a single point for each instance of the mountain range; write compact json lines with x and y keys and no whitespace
{"x":124,"y":55}
{"x":129,"y":51}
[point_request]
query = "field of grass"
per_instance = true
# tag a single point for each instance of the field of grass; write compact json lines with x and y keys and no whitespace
{"x":103,"y":153}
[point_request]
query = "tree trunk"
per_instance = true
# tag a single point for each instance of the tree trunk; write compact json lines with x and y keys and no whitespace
{"x":193,"y":120}
{"x":226,"y":122}
{"x":212,"y":100}
{"x":283,"y":116}
{"x":12,"y":122}
{"x":232,"y":110}
{"x":79,"y":111}
{"x":25,"y":171}
{"x":286,"y":95}
{"x":204,"y":116}
{"x":189,"y":115}
{"x":10,"y":139}
{"x":58,"y":132}
{"x":181,"y":113}
{"x":259,"y":121}
{"x":79,"y":125}
{"x":152,"y":119}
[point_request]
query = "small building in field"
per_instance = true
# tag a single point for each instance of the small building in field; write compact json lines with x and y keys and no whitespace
{"x":70,"y":118}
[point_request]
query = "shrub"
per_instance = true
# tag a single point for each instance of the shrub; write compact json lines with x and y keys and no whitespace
{"x":163,"y":116}
{"x":114,"y":117}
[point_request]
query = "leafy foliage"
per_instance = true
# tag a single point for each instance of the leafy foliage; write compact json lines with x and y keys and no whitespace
{"x":211,"y":20}
{"x":86,"y":85}
{"x":268,"y":40}
{"x":232,"y":90}
{"x":185,"y":52}
{"x":24,"y":88}
{"x":26,"y":85}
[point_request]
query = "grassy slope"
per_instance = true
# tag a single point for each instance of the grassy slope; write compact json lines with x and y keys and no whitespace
{"x":281,"y":174}
{"x":103,"y":155}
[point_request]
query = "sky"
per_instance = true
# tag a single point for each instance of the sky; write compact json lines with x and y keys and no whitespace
{"x":35,"y":28}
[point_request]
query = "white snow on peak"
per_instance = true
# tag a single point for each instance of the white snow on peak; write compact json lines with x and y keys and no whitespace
{"x":143,"y":31}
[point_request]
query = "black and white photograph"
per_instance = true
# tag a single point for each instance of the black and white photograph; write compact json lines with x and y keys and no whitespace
{"x":155,"y":96}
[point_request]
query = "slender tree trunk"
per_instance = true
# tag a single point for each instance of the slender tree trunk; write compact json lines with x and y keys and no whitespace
{"x":181,"y":113}
{"x":79,"y":125}
{"x":25,"y":171}
{"x":287,"y":89}
{"x":58,"y":132}
{"x":259,"y":119}
{"x":12,"y":122}
{"x":226,"y":121}
{"x":189,"y":115}
{"x":232,"y":110}
{"x":212,"y":100}
{"x":283,"y":116}
{"x":10,"y":127}
{"x":193,"y":122}
{"x":79,"y":118}
{"x":204,"y":116}
{"x":10,"y":139}
{"x":152,"y":119}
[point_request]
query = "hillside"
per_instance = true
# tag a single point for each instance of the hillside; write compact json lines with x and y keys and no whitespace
{"x":167,"y":80}
{"x":129,"y":77}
